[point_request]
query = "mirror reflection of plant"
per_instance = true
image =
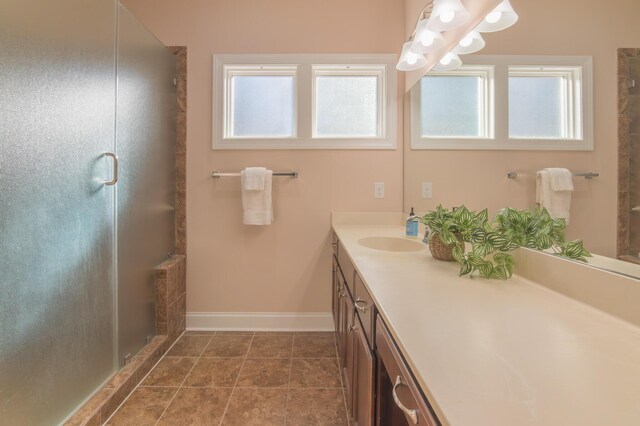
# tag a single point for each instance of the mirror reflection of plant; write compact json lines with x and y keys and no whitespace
{"x":490,"y":241}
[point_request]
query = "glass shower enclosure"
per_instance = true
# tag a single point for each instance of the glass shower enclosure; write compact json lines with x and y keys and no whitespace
{"x":83,"y":85}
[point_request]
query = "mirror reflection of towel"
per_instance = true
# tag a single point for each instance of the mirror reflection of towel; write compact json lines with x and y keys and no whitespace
{"x":553,"y":191}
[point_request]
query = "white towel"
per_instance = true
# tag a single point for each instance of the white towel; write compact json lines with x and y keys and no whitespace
{"x":561,"y":179}
{"x":254,"y":178}
{"x":557,"y":203}
{"x":257,"y":206}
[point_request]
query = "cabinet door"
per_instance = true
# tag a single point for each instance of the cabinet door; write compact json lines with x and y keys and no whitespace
{"x":349,"y":352}
{"x":364,"y":372}
{"x":336,"y":291}
{"x":344,"y":304}
{"x":399,"y":400}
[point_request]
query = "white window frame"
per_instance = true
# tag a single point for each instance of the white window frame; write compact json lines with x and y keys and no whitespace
{"x":377,"y":71}
{"x":231,"y":71}
{"x":486,"y":107}
{"x":571,"y":105}
{"x":305,"y":102}
{"x":580,"y":127}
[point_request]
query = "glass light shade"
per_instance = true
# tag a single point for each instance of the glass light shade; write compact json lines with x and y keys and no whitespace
{"x":449,"y":62}
{"x":447,"y":15}
{"x":471,"y":43}
{"x":410,"y":61}
{"x":425,"y":40}
{"x":500,"y":18}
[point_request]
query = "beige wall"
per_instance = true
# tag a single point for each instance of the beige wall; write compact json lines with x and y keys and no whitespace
{"x":284,"y":267}
{"x":478,"y":178}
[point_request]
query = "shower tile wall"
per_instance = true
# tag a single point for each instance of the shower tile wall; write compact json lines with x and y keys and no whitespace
{"x":171,"y":297}
{"x":181,"y":148}
{"x":629,"y":153}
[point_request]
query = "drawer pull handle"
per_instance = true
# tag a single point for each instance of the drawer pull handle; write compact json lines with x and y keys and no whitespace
{"x":350,"y":328}
{"x":413,"y":414}
{"x":363,"y":308}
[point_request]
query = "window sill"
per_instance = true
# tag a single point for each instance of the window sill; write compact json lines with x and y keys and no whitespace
{"x":256,"y":144}
{"x":503,"y":144}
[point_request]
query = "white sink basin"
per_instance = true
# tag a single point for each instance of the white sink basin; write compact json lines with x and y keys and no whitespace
{"x":391,"y":244}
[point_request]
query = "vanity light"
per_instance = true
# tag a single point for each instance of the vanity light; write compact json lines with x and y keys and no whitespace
{"x":447,"y":15}
{"x":500,"y":18}
{"x":410,"y":61}
{"x":451,"y":61}
{"x":471,"y":43}
{"x":425,"y":40}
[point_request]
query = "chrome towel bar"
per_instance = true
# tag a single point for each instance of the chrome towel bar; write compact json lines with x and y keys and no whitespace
{"x":216,"y":174}
{"x":586,"y":175}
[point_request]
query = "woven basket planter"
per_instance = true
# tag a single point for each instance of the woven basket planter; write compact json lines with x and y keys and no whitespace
{"x":440,"y":250}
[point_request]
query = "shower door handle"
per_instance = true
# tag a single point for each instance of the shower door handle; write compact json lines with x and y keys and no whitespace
{"x":114,"y":180}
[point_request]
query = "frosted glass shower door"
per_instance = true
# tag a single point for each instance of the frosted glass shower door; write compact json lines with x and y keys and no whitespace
{"x":57,"y":109}
{"x":145,"y":139}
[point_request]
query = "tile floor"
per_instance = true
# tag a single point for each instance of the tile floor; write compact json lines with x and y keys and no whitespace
{"x":229,"y":378}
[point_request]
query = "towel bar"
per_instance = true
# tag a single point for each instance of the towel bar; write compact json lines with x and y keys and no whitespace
{"x":216,"y":174}
{"x":586,"y":175}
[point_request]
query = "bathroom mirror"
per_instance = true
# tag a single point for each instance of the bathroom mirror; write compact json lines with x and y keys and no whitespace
{"x":453,"y":171}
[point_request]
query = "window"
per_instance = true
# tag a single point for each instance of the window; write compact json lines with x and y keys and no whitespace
{"x":261,"y":102}
{"x":348,"y":101}
{"x":544,"y":102}
{"x":505,"y":102}
{"x":304,"y":102}
{"x":456,"y":104}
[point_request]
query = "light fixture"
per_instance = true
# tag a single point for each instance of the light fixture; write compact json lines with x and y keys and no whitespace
{"x":471,"y":43}
{"x":449,"y":62}
{"x":500,"y":18}
{"x":447,"y":15}
{"x":410,"y":61}
{"x":425,"y":40}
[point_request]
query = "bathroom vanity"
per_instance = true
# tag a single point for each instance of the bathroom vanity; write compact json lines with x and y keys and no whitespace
{"x":421,"y":346}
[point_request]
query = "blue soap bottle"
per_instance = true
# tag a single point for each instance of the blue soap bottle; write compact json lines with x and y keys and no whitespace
{"x":412,"y":225}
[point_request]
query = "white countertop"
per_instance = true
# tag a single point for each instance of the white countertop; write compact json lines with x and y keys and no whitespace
{"x":500,"y":353}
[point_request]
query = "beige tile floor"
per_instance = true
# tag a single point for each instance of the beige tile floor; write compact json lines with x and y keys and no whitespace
{"x":229,"y":378}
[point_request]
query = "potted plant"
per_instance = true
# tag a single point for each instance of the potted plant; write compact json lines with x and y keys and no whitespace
{"x":491,"y":241}
{"x":449,"y":229}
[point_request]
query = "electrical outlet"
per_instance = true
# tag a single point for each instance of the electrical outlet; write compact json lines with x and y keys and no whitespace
{"x":378,"y":190}
{"x":427,"y":190}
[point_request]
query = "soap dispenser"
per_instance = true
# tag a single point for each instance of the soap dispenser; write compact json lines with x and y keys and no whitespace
{"x":412,"y":225}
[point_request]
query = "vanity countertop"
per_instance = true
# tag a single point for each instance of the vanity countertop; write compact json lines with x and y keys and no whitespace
{"x":499,"y":353}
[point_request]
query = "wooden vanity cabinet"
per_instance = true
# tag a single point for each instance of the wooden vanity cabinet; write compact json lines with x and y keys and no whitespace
{"x":372,"y":369}
{"x":399,"y":399}
{"x":357,"y":360}
{"x":364,"y":371}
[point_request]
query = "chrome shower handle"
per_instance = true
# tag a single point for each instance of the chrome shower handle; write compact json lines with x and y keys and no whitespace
{"x":114,"y":180}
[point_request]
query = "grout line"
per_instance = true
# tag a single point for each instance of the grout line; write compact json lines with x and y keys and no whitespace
{"x":286,"y":402}
{"x":141,"y":380}
{"x":183,"y":380}
{"x":237,"y":379}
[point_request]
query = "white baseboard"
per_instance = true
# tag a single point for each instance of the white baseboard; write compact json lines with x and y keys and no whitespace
{"x":259,"y":321}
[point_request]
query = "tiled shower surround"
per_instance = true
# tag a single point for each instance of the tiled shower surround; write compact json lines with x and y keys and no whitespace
{"x":629,"y":154}
{"x":247,"y":378}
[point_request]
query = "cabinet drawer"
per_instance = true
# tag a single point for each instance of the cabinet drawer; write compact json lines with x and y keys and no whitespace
{"x":363,"y":302}
{"x":405,"y":391}
{"x":334,"y":243}
{"x":346,"y":266}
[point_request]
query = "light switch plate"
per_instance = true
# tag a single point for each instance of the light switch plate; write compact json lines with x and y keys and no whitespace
{"x":427,"y":190}
{"x":378,"y":189}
